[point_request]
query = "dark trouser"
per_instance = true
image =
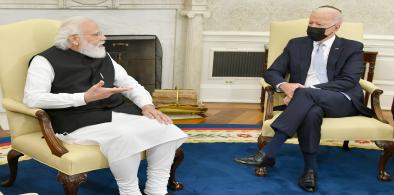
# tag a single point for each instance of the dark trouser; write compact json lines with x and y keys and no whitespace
{"x":305,"y":112}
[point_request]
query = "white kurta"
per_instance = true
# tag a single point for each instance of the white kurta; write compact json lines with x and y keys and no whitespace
{"x":124,"y":136}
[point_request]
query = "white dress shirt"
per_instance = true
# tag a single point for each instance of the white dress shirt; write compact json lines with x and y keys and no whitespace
{"x":311,"y":78}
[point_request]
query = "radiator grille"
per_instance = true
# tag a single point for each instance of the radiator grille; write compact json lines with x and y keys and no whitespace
{"x":237,"y":64}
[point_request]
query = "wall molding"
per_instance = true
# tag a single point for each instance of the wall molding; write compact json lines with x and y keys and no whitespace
{"x":233,"y":89}
{"x":235,"y":36}
{"x":91,"y":4}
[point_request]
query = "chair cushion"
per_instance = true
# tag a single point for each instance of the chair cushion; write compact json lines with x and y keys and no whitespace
{"x":79,"y":159}
{"x":346,"y":128}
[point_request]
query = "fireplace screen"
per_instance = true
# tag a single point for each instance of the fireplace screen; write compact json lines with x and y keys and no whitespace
{"x":140,"y":55}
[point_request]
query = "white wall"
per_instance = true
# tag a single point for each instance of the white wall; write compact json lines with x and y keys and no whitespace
{"x":256,"y":15}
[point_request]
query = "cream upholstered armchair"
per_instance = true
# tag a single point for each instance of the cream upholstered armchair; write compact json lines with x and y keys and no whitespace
{"x":30,"y":129}
{"x":347,"y":128}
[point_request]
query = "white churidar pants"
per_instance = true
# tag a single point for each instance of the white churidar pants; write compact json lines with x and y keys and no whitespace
{"x":122,"y":140}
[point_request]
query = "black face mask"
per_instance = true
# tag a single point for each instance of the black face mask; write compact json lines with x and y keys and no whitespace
{"x":315,"y":33}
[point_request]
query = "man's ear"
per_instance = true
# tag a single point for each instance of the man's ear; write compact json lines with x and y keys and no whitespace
{"x":338,"y":26}
{"x":74,"y":40}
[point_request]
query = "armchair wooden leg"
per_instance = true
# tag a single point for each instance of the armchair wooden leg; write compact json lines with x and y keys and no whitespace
{"x":172,"y":183}
{"x":261,"y":171}
{"x":388,"y":151}
{"x":71,"y":182}
{"x":262,"y":99}
{"x":345,"y":145}
{"x":262,"y":141}
{"x":12,"y":158}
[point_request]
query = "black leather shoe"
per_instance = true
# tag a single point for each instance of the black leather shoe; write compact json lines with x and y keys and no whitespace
{"x":308,"y":181}
{"x":260,"y":159}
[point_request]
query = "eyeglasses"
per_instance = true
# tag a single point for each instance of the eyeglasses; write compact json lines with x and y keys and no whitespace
{"x":97,"y":34}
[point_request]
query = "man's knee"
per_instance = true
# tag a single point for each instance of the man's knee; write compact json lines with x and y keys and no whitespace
{"x":312,"y":124}
{"x":309,"y":94}
{"x":315,"y":112}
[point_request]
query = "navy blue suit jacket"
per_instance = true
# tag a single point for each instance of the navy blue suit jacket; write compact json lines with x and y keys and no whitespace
{"x":344,"y":67}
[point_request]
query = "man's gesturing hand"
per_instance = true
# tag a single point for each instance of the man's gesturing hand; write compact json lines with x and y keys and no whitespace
{"x":98,"y":92}
{"x":151,"y":112}
{"x":289,"y":88}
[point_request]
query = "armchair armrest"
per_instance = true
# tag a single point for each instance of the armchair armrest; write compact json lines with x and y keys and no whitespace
{"x":265,"y":84}
{"x":368,"y":86}
{"x":54,"y":144}
{"x":269,"y":104}
{"x":375,"y":92}
{"x":18,"y":107}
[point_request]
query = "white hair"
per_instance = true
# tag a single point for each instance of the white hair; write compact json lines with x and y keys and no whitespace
{"x":69,"y":27}
{"x":338,"y":13}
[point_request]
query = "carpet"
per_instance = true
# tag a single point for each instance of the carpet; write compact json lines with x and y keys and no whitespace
{"x":208,"y":169}
{"x":227,"y":133}
{"x":214,"y":133}
{"x":242,"y":133}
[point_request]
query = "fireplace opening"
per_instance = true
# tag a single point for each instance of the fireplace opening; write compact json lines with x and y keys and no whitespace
{"x":140,"y":55}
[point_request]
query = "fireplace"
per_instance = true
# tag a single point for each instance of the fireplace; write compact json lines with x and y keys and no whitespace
{"x":140,"y":55}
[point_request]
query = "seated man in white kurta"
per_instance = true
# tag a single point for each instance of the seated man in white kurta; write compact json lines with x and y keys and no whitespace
{"x":81,"y":87}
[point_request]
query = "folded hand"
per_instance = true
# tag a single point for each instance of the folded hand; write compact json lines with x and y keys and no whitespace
{"x":289,"y":88}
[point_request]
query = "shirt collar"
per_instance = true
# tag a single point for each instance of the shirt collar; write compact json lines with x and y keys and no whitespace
{"x":328,"y":43}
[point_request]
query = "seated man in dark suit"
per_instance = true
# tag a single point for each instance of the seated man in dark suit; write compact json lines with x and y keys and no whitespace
{"x":324,"y":74}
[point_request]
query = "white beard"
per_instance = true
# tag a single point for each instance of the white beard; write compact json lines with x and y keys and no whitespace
{"x":93,"y":51}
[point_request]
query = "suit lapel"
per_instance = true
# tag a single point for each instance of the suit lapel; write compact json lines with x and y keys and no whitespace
{"x":333,"y":56}
{"x":305,"y":52}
